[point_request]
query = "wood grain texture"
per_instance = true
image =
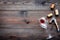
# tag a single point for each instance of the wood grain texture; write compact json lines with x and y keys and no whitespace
{"x":13,"y":24}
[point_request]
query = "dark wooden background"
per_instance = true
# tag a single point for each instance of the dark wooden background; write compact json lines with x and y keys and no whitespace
{"x":12,"y":22}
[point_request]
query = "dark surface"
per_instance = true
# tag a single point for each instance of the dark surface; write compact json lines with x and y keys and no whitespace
{"x":28,"y":38}
{"x":14,"y":27}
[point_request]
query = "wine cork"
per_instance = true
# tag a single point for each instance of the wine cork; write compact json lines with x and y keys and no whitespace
{"x":56,"y":12}
{"x":50,"y":15}
{"x":52,"y":6}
